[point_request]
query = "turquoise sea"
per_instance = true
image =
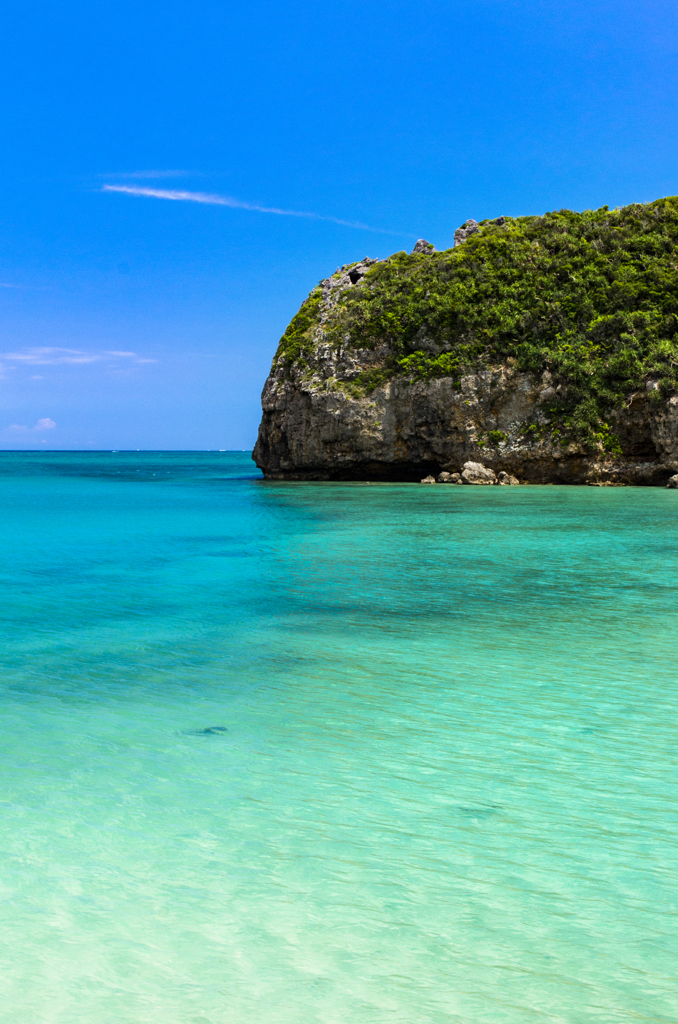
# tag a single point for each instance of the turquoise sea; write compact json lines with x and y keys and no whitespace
{"x":296,"y":753}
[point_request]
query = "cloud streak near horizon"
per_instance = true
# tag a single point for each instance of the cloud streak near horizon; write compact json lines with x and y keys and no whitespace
{"x":237,"y":204}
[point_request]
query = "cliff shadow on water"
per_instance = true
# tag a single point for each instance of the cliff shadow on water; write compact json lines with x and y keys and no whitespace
{"x":545,"y":348}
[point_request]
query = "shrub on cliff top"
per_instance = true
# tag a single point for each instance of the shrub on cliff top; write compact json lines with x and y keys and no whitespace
{"x":592,"y":297}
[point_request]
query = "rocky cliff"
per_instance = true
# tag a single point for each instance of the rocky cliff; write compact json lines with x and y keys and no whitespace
{"x":545,"y":348}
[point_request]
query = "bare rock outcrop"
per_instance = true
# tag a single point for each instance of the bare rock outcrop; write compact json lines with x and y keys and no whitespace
{"x":423,"y":246}
{"x":476,"y":473}
{"x":470,"y":227}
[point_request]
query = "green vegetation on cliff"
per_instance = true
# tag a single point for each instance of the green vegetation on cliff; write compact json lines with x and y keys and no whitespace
{"x":592,"y":297}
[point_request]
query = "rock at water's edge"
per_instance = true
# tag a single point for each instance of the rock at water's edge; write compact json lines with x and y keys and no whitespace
{"x":476,"y":473}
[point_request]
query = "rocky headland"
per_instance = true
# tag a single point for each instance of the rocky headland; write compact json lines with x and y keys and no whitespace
{"x":536,"y":350}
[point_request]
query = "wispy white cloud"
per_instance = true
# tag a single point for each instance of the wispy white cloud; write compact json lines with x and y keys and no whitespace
{"x":51,"y":356}
{"x":217,"y":200}
{"x":44,"y":424}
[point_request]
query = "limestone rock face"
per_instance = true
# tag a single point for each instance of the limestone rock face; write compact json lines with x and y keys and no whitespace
{"x":406,"y":430}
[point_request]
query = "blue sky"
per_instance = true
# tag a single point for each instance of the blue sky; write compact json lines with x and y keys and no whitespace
{"x":130,"y":320}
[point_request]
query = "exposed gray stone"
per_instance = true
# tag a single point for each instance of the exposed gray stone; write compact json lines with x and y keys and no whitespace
{"x":476,"y":473}
{"x":470,"y":227}
{"x":673,"y":481}
{"x":444,"y":478}
{"x":505,"y":478}
{"x":428,"y":480}
{"x":423,"y":246}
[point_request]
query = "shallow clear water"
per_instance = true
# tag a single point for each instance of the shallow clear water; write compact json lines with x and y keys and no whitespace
{"x":447,"y":789}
